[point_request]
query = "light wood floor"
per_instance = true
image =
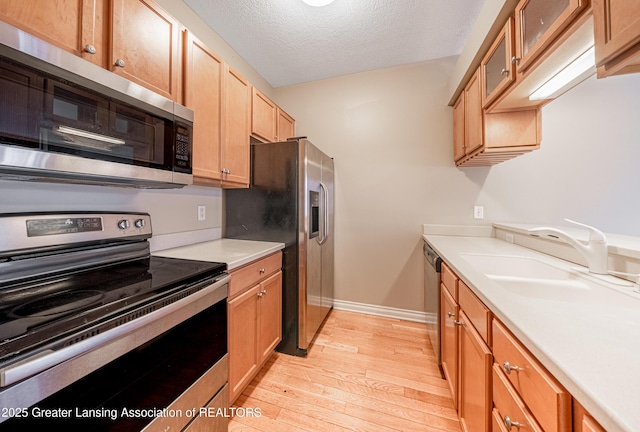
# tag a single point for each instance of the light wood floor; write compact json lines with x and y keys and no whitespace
{"x":363,"y":373}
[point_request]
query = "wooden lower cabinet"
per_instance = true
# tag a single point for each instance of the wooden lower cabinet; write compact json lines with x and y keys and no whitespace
{"x":243,"y":340}
{"x":495,"y":382}
{"x":475,"y":359}
{"x":449,"y":341}
{"x":254,"y":320}
{"x":582,"y":421}
{"x":269,"y":316}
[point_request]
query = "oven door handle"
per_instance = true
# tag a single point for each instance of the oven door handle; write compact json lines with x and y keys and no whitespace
{"x":44,"y":360}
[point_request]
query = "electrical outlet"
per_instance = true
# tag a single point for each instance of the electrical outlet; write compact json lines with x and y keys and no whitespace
{"x":509,"y":237}
{"x":202,"y":213}
{"x":478,"y":212}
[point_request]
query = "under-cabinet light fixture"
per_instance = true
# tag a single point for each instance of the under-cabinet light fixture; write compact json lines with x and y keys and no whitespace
{"x":317,"y":3}
{"x":91,"y":135}
{"x":575,"y":72}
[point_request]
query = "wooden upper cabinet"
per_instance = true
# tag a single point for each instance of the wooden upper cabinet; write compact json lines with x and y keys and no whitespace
{"x":203,"y":72}
{"x":263,"y":116}
{"x":617,"y":36}
{"x":236,"y":128}
{"x":269,"y":122}
{"x":458,"y":128}
{"x":286,"y":127}
{"x":76,"y":26}
{"x":538,"y":23}
{"x":473,"y":127}
{"x":498,"y":70}
{"x":145,"y":46}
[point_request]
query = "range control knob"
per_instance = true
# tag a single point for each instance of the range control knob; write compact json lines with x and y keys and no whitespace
{"x":123,"y":224}
{"x":140,"y":223}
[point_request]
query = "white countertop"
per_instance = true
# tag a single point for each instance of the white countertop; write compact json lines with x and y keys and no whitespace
{"x":591,"y":344}
{"x":235,"y":253}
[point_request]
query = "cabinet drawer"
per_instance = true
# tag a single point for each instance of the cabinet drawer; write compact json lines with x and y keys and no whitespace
{"x":509,"y":406}
{"x":477,"y":312}
{"x":542,"y":394}
{"x":450,"y":281}
{"x":249,"y":275}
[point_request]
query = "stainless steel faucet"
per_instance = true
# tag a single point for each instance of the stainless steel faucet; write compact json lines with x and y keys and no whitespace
{"x":595,"y":252}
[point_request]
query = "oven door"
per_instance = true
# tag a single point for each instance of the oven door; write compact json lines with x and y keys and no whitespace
{"x":146,"y":372}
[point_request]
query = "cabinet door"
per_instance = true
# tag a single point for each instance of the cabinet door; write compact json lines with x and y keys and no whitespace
{"x":473,"y":128}
{"x":270,"y":316}
{"x":498,"y":72}
{"x":458,"y":128}
{"x":538,"y":23}
{"x":449,"y":341}
{"x":263,"y":116}
{"x":475,"y":360}
{"x":617,"y":28}
{"x":145,"y":44}
{"x":286,"y":126}
{"x":243,"y":340}
{"x":203,"y":94}
{"x":76,"y":26}
{"x":236,"y":121}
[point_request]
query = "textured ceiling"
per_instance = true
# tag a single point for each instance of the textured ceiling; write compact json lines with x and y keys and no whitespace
{"x":289,"y":42}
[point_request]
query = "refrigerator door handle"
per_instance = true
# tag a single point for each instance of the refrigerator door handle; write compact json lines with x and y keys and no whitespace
{"x":324,"y":229}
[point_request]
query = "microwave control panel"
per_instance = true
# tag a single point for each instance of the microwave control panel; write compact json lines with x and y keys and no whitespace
{"x":183,"y":147}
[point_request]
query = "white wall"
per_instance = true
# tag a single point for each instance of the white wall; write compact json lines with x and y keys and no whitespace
{"x":172,"y":211}
{"x":586,"y":168}
{"x":390,"y":134}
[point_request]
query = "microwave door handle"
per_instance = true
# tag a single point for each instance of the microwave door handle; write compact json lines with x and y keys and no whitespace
{"x":325,"y":214}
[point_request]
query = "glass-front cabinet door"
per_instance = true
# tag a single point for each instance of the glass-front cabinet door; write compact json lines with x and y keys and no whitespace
{"x":498,"y":72}
{"x":538,"y":23}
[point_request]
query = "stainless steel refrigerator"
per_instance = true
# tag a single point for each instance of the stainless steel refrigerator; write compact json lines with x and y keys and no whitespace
{"x":290,"y":200}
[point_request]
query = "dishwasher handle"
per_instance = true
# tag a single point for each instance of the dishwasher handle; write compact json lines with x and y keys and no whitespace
{"x":432,"y":257}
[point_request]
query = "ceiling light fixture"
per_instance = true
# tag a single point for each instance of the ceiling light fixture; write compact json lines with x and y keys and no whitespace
{"x":317,"y":3}
{"x":577,"y":71}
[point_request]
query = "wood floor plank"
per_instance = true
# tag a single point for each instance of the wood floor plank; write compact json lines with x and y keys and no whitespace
{"x":363,"y":373}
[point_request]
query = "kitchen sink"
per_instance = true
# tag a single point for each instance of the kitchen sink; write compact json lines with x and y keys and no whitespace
{"x":517,"y":267}
{"x":534,"y":278}
{"x":531,"y":277}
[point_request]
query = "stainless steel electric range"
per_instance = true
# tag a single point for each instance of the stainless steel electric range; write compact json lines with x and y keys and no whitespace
{"x":97,"y":334}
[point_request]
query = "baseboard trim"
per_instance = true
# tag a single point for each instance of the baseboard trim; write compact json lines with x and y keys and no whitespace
{"x":385,"y":311}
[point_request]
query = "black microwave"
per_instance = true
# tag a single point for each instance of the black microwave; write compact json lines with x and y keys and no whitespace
{"x":76,"y":122}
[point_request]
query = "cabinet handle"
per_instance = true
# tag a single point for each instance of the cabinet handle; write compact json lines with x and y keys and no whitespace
{"x":90,"y":49}
{"x":262,"y":293}
{"x":515,"y":60}
{"x":262,"y":271}
{"x":225,"y":171}
{"x":508,"y":368}
{"x":504,"y":72}
{"x":119,"y":63}
{"x":458,"y":322}
{"x":450,"y":314}
{"x":510,"y":423}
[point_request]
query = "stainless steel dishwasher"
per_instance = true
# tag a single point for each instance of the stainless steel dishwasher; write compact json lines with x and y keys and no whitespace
{"x":432,"y":269}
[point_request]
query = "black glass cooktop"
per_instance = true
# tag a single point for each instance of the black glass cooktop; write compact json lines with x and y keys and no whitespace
{"x":35,"y":313}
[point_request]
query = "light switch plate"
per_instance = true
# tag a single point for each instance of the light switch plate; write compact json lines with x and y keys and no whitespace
{"x":478,"y":212}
